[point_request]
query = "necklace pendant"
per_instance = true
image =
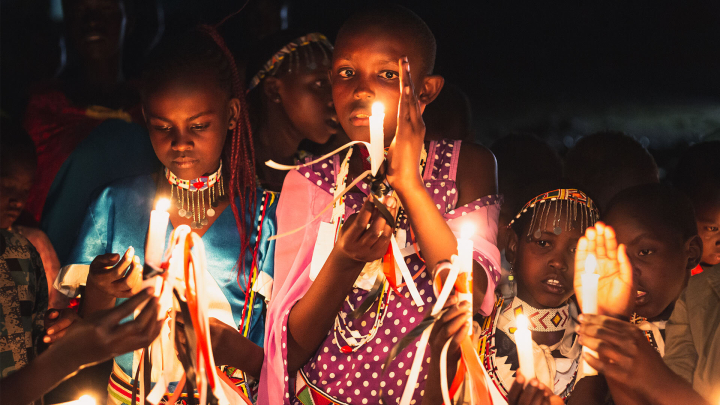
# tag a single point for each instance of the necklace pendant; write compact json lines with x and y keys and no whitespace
{"x":178,"y":204}
{"x":203,"y":222}
{"x":188,"y":214}
{"x":346,"y":349}
{"x":182,"y":212}
{"x":194,"y":225}
{"x":210,"y":212}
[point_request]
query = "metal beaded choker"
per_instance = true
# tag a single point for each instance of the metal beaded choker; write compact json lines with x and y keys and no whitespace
{"x":190,"y":196}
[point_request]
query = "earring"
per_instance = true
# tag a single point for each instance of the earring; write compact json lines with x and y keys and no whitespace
{"x":276,"y":99}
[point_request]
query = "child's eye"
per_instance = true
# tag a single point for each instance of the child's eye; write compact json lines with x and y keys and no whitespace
{"x":389,"y":74}
{"x":199,"y":127}
{"x":712,"y":228}
{"x":645,"y":252}
{"x":346,"y":73}
{"x":542,"y":243}
{"x":163,"y":128}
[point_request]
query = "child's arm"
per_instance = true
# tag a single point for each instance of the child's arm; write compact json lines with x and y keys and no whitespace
{"x":453,"y":323}
{"x":626,"y":358}
{"x":364,"y":238}
{"x":86,"y":343}
{"x":680,"y":353}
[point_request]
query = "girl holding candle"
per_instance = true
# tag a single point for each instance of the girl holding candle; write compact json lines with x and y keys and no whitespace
{"x":312,"y":337}
{"x":541,"y":249}
{"x":197,"y":119}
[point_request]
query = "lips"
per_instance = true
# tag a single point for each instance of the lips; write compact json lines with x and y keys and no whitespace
{"x":360,"y":117}
{"x":184,"y":162}
{"x":554,"y":285}
{"x":641,"y":298}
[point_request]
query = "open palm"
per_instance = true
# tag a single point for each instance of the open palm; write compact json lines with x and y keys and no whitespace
{"x":615,"y":285}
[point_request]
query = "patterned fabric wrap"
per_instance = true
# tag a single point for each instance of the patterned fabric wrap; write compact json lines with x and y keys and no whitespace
{"x":119,"y":218}
{"x":654,"y":331}
{"x":23,"y":302}
{"x":498,"y":352}
{"x":271,"y":66}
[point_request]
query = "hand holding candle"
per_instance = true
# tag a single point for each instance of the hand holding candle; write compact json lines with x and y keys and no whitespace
{"x":523,"y":341}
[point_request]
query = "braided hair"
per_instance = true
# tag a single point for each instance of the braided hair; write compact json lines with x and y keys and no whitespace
{"x":204,"y":50}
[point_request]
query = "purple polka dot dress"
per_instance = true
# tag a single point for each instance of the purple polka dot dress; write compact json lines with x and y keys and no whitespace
{"x":333,"y":375}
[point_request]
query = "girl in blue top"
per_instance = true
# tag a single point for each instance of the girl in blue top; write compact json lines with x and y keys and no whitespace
{"x":197,"y":119}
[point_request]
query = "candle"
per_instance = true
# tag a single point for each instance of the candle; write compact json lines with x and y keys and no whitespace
{"x":155,"y":244}
{"x":523,"y":341}
{"x":589,"y":300}
{"x":83,"y":400}
{"x":464,"y":283}
{"x":377,"y":136}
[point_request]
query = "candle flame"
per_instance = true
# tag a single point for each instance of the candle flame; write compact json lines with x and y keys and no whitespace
{"x":163,"y":204}
{"x":590,"y":263}
{"x":86,"y":400}
{"x":378,"y":108}
{"x":467,"y":230}
{"x":521,"y":322}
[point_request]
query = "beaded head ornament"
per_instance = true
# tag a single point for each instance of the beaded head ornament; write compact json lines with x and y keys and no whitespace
{"x":571,"y":203}
{"x":291,"y":55}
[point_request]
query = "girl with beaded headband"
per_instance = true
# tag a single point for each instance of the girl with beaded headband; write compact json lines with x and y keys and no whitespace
{"x":197,"y":118}
{"x":290,"y":100}
{"x":541,"y":249}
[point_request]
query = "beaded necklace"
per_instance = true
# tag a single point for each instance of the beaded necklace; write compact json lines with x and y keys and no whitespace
{"x":190,"y":196}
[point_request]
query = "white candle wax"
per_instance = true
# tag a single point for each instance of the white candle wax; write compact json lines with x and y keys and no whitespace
{"x":159,"y":218}
{"x":465,"y":273}
{"x":589,"y":300}
{"x":377,"y":136}
{"x":523,"y":341}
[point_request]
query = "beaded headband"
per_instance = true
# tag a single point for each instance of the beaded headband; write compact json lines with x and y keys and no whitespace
{"x":575,"y":203}
{"x":305,"y":42}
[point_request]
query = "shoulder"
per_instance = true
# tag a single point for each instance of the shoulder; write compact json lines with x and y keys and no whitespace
{"x":476,"y":173}
{"x":17,"y":246}
{"x":136,"y":189}
{"x":703,"y":286}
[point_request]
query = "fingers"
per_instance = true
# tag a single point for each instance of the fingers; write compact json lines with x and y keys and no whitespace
{"x":611,"y":245}
{"x":141,"y":331}
{"x":532,"y":394}
{"x":600,"y":251}
{"x":609,"y":370}
{"x":516,"y":389}
{"x":115,"y":315}
{"x":453,"y":321}
{"x":359,"y":224}
{"x":127,"y":259}
{"x":409,"y":109}
{"x":580,"y":255}
{"x":125,"y":285}
{"x":591,"y":236}
{"x":626,"y":272}
{"x":60,"y":326}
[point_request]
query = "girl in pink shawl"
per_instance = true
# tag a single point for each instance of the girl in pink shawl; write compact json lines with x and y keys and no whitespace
{"x":330,"y":326}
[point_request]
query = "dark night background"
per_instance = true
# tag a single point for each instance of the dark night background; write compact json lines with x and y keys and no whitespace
{"x":559,"y":69}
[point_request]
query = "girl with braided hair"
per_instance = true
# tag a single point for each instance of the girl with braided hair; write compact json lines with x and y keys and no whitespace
{"x":197,"y":118}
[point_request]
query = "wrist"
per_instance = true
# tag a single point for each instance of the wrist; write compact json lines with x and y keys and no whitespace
{"x":409,"y":187}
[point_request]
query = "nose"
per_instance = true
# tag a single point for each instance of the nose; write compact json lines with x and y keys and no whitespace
{"x":558,"y":261}
{"x":363,"y":90}
{"x":181,"y":140}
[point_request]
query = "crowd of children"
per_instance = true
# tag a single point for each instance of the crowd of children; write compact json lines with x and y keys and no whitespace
{"x":288,"y":327}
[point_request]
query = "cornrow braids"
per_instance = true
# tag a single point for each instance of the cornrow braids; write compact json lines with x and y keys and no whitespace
{"x":241,"y":155}
{"x":204,"y":50}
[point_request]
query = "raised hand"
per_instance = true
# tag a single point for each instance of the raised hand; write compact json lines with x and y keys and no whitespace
{"x":365,"y":237}
{"x":533,"y":393}
{"x":108,"y":274}
{"x":615,"y":285}
{"x":404,"y":153}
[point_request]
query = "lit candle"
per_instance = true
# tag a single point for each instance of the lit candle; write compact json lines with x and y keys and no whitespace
{"x":377,"y":136}
{"x":589,"y":301}
{"x":523,"y":341}
{"x":83,"y":400}
{"x":464,"y":283}
{"x":159,"y":218}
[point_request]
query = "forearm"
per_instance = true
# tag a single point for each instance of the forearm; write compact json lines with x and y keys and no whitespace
{"x":38,"y":377}
{"x":313,"y":315}
{"x":239,"y":352}
{"x":436,"y":240}
{"x":590,"y":390}
{"x":95,"y":300}
{"x":433,"y":395}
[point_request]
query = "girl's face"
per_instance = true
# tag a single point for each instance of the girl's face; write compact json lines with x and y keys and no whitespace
{"x":15,"y":185}
{"x":365,"y":70}
{"x":306,"y":97}
{"x":188,"y":120}
{"x":545,"y":266}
